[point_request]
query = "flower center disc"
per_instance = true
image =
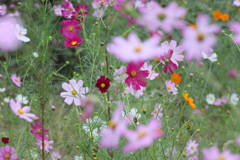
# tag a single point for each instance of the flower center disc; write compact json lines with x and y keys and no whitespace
{"x":70,"y":28}
{"x":73,"y":43}
{"x":200,"y":37}
{"x":74,"y":92}
{"x":141,"y":134}
{"x":133,"y":73}
{"x":112,"y":124}
{"x":168,"y":87}
{"x":102,"y":85}
{"x":161,"y":16}
{"x":6,"y":155}
{"x":20,"y":111}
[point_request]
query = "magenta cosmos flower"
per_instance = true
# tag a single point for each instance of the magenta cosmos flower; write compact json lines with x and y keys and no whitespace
{"x":135,"y":75}
{"x":8,"y":153}
{"x":200,"y":39}
{"x":165,"y":18}
{"x":142,"y":137}
{"x":16,"y":80}
{"x":71,"y":28}
{"x":68,"y":9}
{"x":235,"y":26}
{"x":80,"y":12}
{"x":75,"y":92}
{"x":73,"y":41}
{"x":116,"y":127}
{"x":22,"y":112}
{"x":46,"y":143}
{"x":37,"y":128}
{"x":133,"y":49}
{"x":214,"y":154}
{"x":171,"y":87}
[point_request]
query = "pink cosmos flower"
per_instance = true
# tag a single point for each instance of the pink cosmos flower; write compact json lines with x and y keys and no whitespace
{"x":236,"y":3}
{"x":233,"y":73}
{"x":135,"y":93}
{"x":68,"y":9}
{"x":8,"y":39}
{"x":73,"y":41}
{"x":171,"y":87}
{"x":16,"y":80}
{"x":102,"y":2}
{"x":22,"y":112}
{"x":135,"y":75}
{"x":3,"y":9}
{"x":1,"y":75}
{"x":200,"y":39}
{"x":36,"y":128}
{"x":58,"y":10}
{"x":133,"y":49}
{"x":142,"y":137}
{"x":80,"y":12}
{"x":191,"y":147}
{"x":220,"y":101}
{"x":88,"y":105}
{"x":55,"y":156}
{"x":120,"y":74}
{"x":71,"y":28}
{"x":152,"y":74}
{"x":75,"y":92}
{"x":157,"y":112}
{"x":8,"y":153}
{"x":169,"y":66}
{"x":98,"y":13}
{"x":46,"y":143}
{"x":235,"y":26}
{"x":156,"y":33}
{"x":165,"y":18}
{"x":214,"y":154}
{"x":116,"y":127}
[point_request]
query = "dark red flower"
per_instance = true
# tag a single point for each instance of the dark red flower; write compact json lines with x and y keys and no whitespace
{"x":5,"y":140}
{"x":103,"y":84}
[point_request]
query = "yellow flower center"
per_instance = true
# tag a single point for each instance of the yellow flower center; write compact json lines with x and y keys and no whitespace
{"x":70,"y":28}
{"x":133,"y":73}
{"x":20,"y":111}
{"x":169,"y":87}
{"x":112,"y":124}
{"x":200,"y":37}
{"x":74,"y":92}
{"x":38,"y":131}
{"x":161,"y":16}
{"x":141,"y":134}
{"x":73,"y":43}
{"x":138,"y":49}
{"x":221,"y":157}
{"x":16,"y":79}
{"x":149,"y":72}
{"x":102,"y":85}
{"x":6,"y":155}
{"x":102,"y":2}
{"x":44,"y":144}
{"x":192,"y":147}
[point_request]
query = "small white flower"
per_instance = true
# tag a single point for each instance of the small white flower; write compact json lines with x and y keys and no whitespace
{"x":22,"y":99}
{"x":210,"y":98}
{"x":78,"y":157}
{"x":98,"y":13}
{"x":20,"y":33}
{"x":35,"y":54}
{"x":234,"y":99}
{"x":212,"y":58}
{"x":2,"y":89}
{"x":6,"y":100}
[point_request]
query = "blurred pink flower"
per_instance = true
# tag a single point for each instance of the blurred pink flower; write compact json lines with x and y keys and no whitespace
{"x":166,"y":18}
{"x":8,"y":39}
{"x":55,"y":156}
{"x":37,"y":129}
{"x":214,"y":154}
{"x":238,"y":140}
{"x":236,"y":3}
{"x":220,"y":101}
{"x":120,"y":74}
{"x":98,"y":13}
{"x":142,"y":137}
{"x":135,"y":75}
{"x":135,"y":93}
{"x":157,"y":112}
{"x":233,"y":73}
{"x":73,"y":41}
{"x":68,"y":10}
{"x":58,"y":10}
{"x":8,"y":153}
{"x":169,"y":66}
{"x":75,"y":92}
{"x":70,"y":28}
{"x":80,"y":12}
{"x":46,"y":143}
{"x":133,"y":49}
{"x":116,"y":127}
{"x":16,"y":80}
{"x":152,"y":74}
{"x":157,"y":33}
{"x":171,"y":87}
{"x":3,"y":9}
{"x":22,"y":112}
{"x":88,"y":105}
{"x":200,"y":39}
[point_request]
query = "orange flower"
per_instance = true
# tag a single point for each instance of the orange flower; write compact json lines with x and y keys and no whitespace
{"x":239,"y":9}
{"x":176,"y":78}
{"x":189,"y":100}
{"x":224,"y":17}
{"x":203,"y":110}
{"x":216,"y":15}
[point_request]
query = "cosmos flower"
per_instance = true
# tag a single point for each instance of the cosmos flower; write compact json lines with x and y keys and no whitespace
{"x":58,"y":10}
{"x":80,"y":12}
{"x":120,"y":74}
{"x":133,"y":49}
{"x":3,"y":9}
{"x":152,"y":74}
{"x":236,"y":3}
{"x":73,"y":41}
{"x":75,"y":92}
{"x":5,"y":140}
{"x":157,"y":112}
{"x":22,"y":112}
{"x":45,"y":142}
{"x":220,"y":101}
{"x":103,"y":83}
{"x":37,"y":129}
{"x":55,"y":156}
{"x":191,"y":147}
{"x":189,"y":100}
{"x":68,"y":9}
{"x":70,"y":28}
{"x":135,"y":93}
{"x":22,"y":99}
{"x":212,"y":57}
{"x":235,"y":26}
{"x":16,"y":80}
{"x":176,"y":78}
{"x":20,"y":33}
{"x":8,"y":153}
{"x":214,"y":154}
{"x":171,"y":87}
{"x":88,"y":105}
{"x":234,"y":99}
{"x":98,"y":13}
{"x":135,"y":75}
{"x":210,"y":98}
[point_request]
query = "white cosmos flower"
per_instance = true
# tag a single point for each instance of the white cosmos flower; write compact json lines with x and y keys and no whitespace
{"x":234,"y":99}
{"x":6,"y":100}
{"x":20,"y":33}
{"x":210,"y":98}
{"x":22,"y":99}
{"x":212,"y":58}
{"x":2,"y":89}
